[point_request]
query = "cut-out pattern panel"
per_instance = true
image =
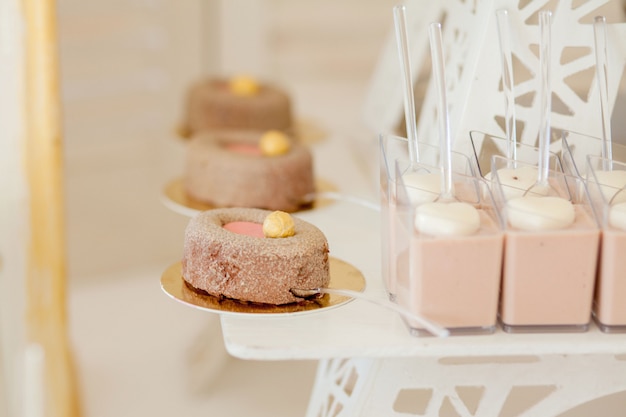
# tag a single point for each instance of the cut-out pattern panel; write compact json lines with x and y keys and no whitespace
{"x":575,"y":99}
{"x":412,"y":401}
{"x":473,"y":69}
{"x":523,"y":387}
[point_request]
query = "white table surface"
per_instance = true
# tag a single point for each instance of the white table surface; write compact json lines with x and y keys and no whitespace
{"x":361,"y":329}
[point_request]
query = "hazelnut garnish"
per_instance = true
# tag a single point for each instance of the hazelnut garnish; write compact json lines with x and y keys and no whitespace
{"x":274,"y":143}
{"x":243,"y":85}
{"x":278,"y":224}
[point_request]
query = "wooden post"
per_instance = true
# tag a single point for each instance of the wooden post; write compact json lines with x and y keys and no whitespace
{"x":46,"y":319}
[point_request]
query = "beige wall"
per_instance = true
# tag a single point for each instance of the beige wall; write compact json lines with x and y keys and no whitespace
{"x":124,"y":66}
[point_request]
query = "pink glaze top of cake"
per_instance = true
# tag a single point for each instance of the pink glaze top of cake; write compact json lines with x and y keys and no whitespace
{"x":245,"y":148}
{"x":245,"y":228}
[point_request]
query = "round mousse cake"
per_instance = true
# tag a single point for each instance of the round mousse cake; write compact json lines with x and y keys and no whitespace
{"x":232,"y":169}
{"x":239,"y":103}
{"x":226,"y":255}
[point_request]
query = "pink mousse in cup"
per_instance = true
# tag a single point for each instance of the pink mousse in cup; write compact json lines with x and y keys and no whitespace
{"x":395,"y":165}
{"x":451,"y":267}
{"x":606,"y":180}
{"x":550,"y":257}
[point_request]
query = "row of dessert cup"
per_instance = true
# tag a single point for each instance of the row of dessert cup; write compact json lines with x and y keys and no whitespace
{"x":530,"y":272}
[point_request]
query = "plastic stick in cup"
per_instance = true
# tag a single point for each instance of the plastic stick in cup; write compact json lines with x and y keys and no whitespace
{"x":502,"y":20}
{"x":600,"y":41}
{"x":399,"y":15}
{"x":436,"y":50}
{"x":542,"y":186}
{"x":545,"y":97}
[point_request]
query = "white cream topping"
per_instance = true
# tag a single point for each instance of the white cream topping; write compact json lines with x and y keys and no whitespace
{"x":422,"y":187}
{"x":540,"y":213}
{"x":447,"y":219}
{"x":612,"y":184}
{"x":516,"y":181}
{"x":617,"y":216}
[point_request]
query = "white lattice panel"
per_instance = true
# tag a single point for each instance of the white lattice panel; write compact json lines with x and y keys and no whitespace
{"x":506,"y":386}
{"x":473,"y":70}
{"x":575,"y":96}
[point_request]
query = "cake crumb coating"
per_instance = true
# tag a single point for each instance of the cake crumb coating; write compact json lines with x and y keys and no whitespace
{"x":246,"y":268}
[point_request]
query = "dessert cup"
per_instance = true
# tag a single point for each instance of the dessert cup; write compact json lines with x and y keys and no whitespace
{"x":608,"y":197}
{"x":452,"y":278}
{"x":550,"y":259}
{"x":485,"y":146}
{"x":577,"y":146}
{"x":394,"y":163}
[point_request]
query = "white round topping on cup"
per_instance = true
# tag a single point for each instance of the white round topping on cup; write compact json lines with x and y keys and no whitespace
{"x":447,"y":219}
{"x":540,"y":213}
{"x":422,"y":187}
{"x":617,"y":216}
{"x":612,"y":184}
{"x":515,"y":181}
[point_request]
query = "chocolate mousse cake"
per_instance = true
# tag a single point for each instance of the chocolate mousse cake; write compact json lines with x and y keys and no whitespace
{"x":265,"y":170}
{"x":238,"y":103}
{"x":254,"y":255}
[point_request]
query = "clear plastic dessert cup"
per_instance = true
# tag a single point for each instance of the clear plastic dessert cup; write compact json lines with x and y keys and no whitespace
{"x":577,"y":146}
{"x":394,"y":149}
{"x":485,"y":146}
{"x":550,"y":256}
{"x":606,"y":190}
{"x":450,"y":254}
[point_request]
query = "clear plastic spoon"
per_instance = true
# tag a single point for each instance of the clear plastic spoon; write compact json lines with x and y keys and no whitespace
{"x":445,"y":140}
{"x":446,"y":215}
{"x":419,"y":177}
{"x":337,"y":196}
{"x":600,"y":38}
{"x":542,"y":186}
{"x":502,"y":20}
{"x":399,"y":17}
{"x":510,"y":175}
{"x":432,"y":327}
{"x":545,"y":94}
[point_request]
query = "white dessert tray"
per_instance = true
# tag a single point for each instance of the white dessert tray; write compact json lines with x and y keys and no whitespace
{"x":361,"y":329}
